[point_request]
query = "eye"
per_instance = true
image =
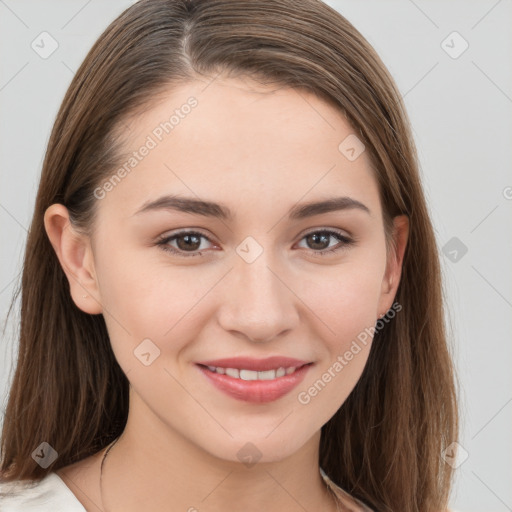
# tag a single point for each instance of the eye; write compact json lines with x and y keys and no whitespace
{"x":187,"y":241}
{"x":319,"y":238}
{"x":190,"y":242}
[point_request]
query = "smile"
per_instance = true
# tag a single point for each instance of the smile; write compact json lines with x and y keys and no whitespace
{"x":244,"y":374}
{"x":253,"y":380}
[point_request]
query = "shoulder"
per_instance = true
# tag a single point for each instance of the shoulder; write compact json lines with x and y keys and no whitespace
{"x":353,"y":504}
{"x":47,"y":495}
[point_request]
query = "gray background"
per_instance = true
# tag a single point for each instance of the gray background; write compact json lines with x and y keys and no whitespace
{"x":460,"y":110}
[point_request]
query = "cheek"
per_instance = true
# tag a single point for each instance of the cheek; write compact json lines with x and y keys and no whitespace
{"x":345,"y":302}
{"x":346,"y":296}
{"x":143,"y":298}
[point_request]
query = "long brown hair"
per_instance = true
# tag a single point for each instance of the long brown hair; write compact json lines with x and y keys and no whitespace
{"x":384,"y":444}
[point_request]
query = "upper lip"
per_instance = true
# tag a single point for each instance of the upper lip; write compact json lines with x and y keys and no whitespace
{"x":259,"y":365}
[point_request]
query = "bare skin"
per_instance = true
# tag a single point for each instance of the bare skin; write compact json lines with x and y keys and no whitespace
{"x":259,"y":151}
{"x":83,"y":479}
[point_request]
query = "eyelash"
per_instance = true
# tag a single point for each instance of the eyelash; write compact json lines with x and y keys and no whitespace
{"x":344,"y":240}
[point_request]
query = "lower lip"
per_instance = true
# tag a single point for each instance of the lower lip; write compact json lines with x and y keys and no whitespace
{"x":256,"y":391}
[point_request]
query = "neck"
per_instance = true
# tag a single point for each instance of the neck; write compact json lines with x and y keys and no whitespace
{"x":166,"y":469}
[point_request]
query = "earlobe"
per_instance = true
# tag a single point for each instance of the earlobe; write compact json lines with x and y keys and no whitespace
{"x":74,"y":253}
{"x":395,"y":263}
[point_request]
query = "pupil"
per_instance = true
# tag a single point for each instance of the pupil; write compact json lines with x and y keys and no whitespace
{"x":188,"y":238}
{"x":315,"y":237}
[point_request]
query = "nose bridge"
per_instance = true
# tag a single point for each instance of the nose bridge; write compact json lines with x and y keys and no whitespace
{"x":257,"y":302}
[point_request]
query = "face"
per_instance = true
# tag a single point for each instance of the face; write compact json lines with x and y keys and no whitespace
{"x":260,"y":279}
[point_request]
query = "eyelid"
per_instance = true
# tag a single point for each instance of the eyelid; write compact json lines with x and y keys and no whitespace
{"x":186,"y":231}
{"x":163,"y":241}
{"x":199,"y":231}
{"x":341,"y":232}
{"x":345,"y":239}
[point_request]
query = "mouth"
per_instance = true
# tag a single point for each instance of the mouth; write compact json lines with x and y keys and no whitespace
{"x":245,"y":374}
{"x":256,"y":381}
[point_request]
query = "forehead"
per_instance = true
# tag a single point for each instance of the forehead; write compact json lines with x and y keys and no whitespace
{"x":240,"y":141}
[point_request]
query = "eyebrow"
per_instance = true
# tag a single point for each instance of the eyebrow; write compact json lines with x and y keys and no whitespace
{"x":220,"y":211}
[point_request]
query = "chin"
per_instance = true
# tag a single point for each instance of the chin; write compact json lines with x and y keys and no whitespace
{"x":249,"y":450}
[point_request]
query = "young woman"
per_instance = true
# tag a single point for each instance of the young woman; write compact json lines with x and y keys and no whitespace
{"x":231,"y":284}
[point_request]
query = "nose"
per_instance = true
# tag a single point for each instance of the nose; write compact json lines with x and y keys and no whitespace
{"x":258,"y":303}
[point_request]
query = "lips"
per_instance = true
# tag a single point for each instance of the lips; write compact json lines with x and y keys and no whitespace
{"x":255,"y":380}
{"x":245,"y":374}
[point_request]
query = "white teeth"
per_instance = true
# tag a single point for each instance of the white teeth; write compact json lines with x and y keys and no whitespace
{"x":248,"y":375}
{"x":233,"y":372}
{"x":267,"y":375}
{"x":281,"y":372}
{"x":244,"y":374}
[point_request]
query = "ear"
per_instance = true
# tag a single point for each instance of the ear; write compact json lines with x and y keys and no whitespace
{"x":75,"y":255}
{"x":395,"y":258}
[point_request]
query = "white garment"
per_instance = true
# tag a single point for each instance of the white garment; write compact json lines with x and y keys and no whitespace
{"x":50,"y":494}
{"x":343,"y":495}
